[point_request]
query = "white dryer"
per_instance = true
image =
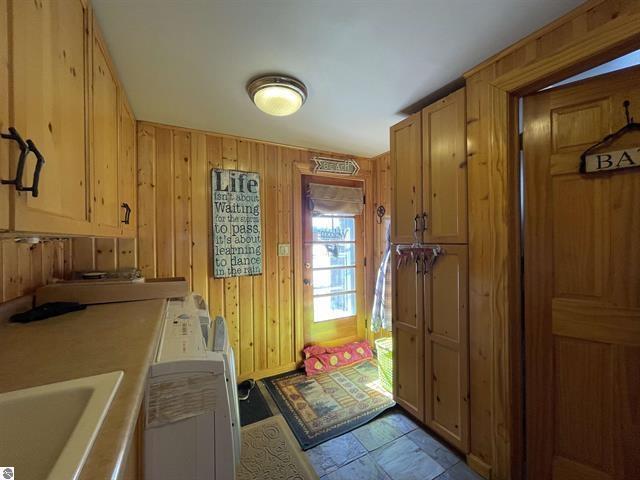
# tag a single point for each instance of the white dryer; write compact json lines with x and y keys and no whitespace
{"x":192,"y":424}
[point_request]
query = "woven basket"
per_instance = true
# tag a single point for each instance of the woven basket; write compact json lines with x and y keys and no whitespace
{"x":384,"y":347}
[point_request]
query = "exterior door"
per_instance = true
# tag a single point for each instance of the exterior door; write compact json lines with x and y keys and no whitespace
{"x":333,"y":273}
{"x":582,"y":286}
{"x":444,"y":169}
{"x":447,"y":347}
{"x":406,"y":193}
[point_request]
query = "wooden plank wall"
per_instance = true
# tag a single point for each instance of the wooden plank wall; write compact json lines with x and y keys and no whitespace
{"x":25,"y":267}
{"x":382,"y":181}
{"x":174,"y":191}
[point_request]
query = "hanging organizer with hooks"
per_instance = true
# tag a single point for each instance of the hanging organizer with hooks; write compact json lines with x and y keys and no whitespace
{"x":422,"y":254}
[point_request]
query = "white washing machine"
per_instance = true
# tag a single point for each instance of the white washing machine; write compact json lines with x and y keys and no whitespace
{"x":192,"y":424}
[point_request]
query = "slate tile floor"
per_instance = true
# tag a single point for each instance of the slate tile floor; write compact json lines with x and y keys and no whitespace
{"x":391,"y":447}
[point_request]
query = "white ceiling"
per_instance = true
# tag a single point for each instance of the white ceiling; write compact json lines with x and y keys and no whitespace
{"x":186,"y":62}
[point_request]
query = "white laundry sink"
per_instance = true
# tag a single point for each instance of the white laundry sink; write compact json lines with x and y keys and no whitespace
{"x":46,"y":432}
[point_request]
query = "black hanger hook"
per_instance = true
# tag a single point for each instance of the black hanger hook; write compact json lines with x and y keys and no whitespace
{"x":626,"y":105}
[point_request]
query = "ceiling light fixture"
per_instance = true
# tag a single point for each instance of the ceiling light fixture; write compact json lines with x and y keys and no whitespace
{"x":277,"y":95}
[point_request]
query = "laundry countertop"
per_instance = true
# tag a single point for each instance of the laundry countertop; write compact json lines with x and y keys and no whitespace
{"x":100,"y":339}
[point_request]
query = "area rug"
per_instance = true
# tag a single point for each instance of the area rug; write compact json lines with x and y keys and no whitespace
{"x":270,"y":452}
{"x":327,"y":405}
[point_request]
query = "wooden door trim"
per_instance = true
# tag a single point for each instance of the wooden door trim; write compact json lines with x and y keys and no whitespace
{"x":493,"y":89}
{"x":305,"y":167}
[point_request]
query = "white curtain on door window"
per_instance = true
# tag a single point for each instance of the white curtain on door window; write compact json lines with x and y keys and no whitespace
{"x":335,"y":200}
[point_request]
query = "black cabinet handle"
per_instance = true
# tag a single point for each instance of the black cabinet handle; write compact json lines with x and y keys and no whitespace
{"x":25,"y":148}
{"x":36,"y":172}
{"x":127,"y":213}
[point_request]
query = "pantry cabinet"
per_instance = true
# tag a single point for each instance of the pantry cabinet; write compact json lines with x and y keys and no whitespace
{"x":66,"y":104}
{"x":50,"y":73}
{"x":430,"y":318}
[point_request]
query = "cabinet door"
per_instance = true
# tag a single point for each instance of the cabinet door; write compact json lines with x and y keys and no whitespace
{"x":5,"y":190}
{"x":408,"y":338}
{"x":127,"y":171}
{"x":447,"y":346}
{"x":406,"y":167}
{"x":444,"y":169}
{"x":106,"y":209}
{"x":50,"y":72}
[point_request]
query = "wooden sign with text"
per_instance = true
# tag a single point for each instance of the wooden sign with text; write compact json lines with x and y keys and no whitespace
{"x":608,"y":161}
{"x":237,"y":238}
{"x":340,"y":167}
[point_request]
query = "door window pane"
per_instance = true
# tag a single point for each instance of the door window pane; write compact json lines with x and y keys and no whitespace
{"x":334,"y":306}
{"x":334,"y":255}
{"x":334,"y":229}
{"x":333,"y":280}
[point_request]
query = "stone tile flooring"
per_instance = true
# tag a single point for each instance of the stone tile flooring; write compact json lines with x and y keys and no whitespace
{"x":391,"y":447}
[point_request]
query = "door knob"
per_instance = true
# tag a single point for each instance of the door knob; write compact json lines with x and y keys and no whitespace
{"x":306,"y":281}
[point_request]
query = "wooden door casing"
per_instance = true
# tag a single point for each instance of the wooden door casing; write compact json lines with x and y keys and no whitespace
{"x":408,"y":338}
{"x":406,"y":189}
{"x":582,"y":287}
{"x":447,"y":347}
{"x":444,"y":169}
{"x":49,"y":72}
{"x":106,"y":209}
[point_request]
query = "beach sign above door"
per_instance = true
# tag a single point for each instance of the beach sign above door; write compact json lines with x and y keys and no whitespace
{"x":237,"y":238}
{"x":619,"y":159}
{"x":338,"y":167}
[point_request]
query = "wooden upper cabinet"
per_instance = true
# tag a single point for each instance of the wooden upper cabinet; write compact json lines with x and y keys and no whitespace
{"x":447,"y":347}
{"x":50,"y":79}
{"x":127,"y":169}
{"x":5,"y":190}
{"x":406,"y":167}
{"x":444,"y":170}
{"x":105,"y":119}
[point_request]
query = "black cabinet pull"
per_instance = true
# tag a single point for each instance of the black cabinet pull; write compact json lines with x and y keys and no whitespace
{"x":127,"y":213}
{"x":25,"y":149}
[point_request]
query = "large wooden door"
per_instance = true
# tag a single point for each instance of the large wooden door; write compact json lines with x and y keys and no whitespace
{"x":444,"y":169}
{"x":406,"y":193}
{"x":49,"y":77}
{"x":408,"y":337}
{"x":333,"y":272}
{"x":447,"y":347}
{"x":582,"y":286}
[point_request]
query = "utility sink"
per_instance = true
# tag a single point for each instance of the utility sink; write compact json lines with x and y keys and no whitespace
{"x":46,"y":432}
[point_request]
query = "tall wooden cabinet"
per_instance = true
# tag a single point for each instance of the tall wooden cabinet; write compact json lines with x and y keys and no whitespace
{"x":59,"y":89}
{"x":430,"y":319}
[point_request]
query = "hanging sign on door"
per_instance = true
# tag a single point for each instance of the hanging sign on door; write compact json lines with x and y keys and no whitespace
{"x":331,"y":165}
{"x":608,"y":161}
{"x":237,"y":239}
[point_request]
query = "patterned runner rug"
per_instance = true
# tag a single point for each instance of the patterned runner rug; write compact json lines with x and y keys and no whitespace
{"x":327,"y":405}
{"x":270,"y":452}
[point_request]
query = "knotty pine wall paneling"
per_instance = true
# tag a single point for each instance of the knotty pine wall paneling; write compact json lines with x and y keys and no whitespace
{"x":174,"y":235}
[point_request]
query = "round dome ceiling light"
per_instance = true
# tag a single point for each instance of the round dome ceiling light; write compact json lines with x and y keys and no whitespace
{"x":277,"y":95}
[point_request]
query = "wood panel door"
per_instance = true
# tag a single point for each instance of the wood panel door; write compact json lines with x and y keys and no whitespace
{"x":50,"y":85}
{"x":406,"y":190}
{"x":5,"y":190}
{"x":444,"y":169}
{"x":447,"y":347}
{"x":408,"y":337}
{"x":127,"y":170}
{"x":582,"y":286}
{"x":106,"y":209}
